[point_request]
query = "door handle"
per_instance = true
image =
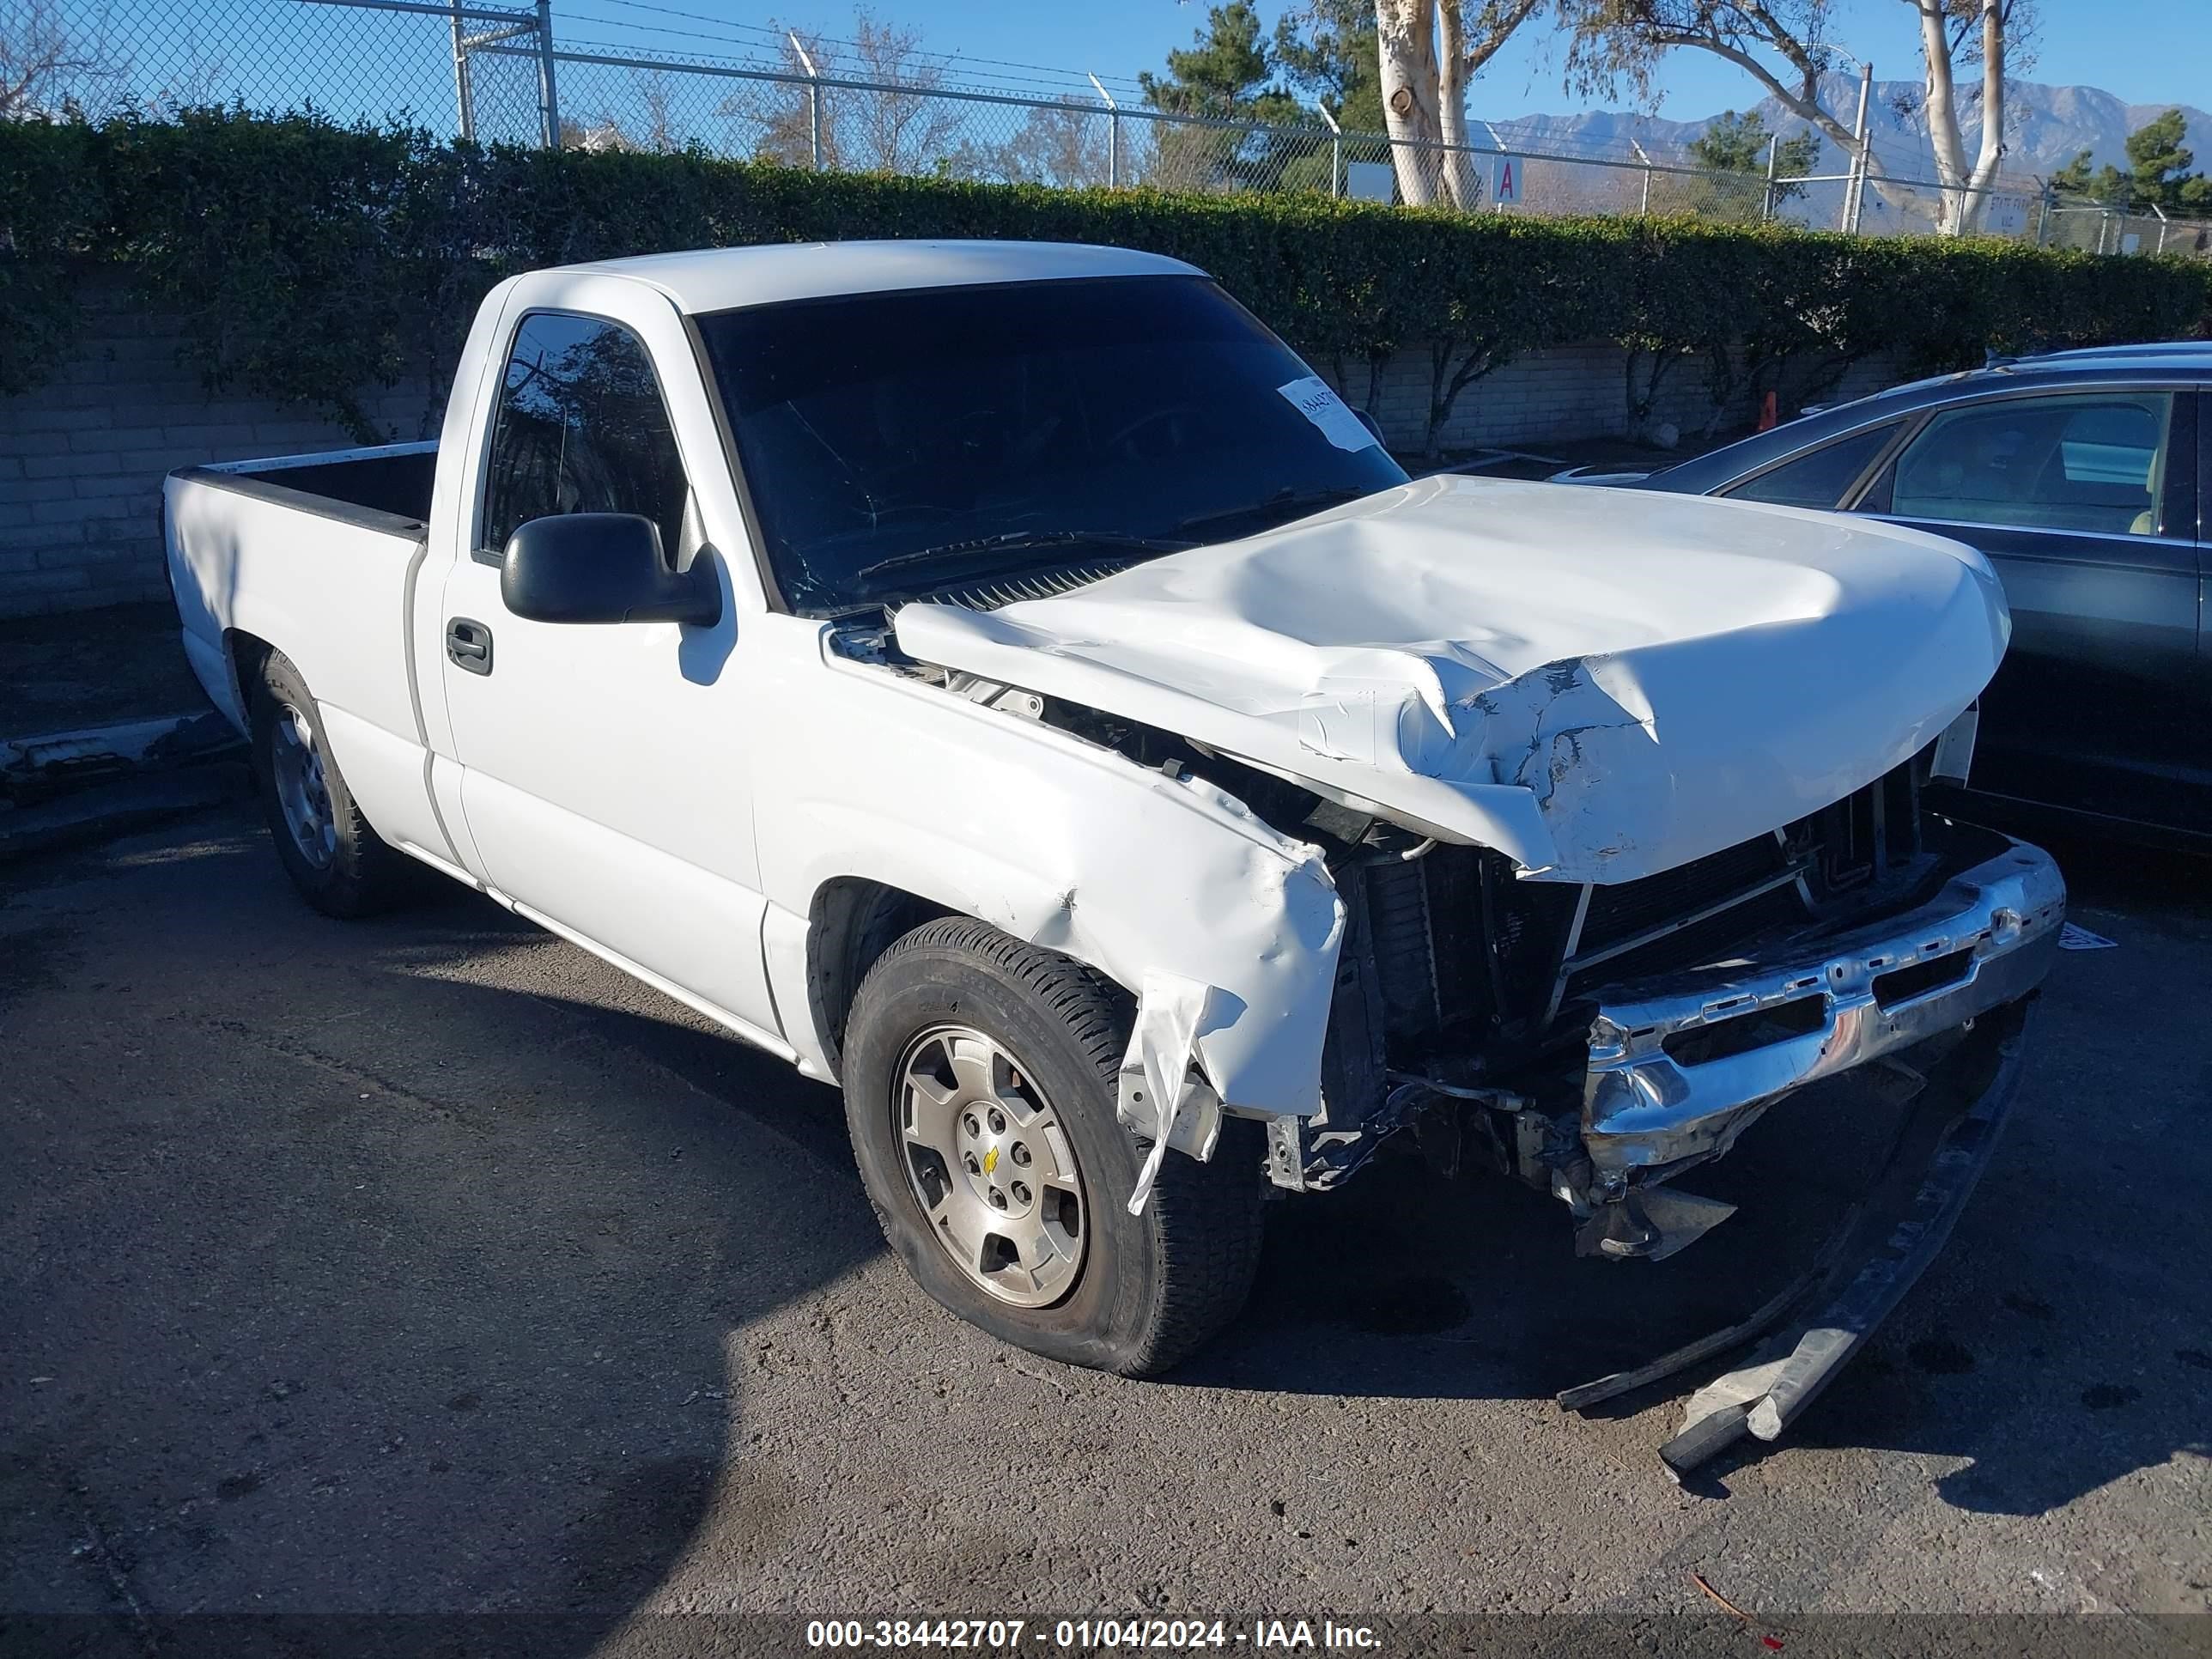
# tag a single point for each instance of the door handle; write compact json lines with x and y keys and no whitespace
{"x":468,"y":644}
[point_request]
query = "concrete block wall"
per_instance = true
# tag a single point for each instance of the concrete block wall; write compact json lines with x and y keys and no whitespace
{"x":1557,"y":395}
{"x":83,"y":458}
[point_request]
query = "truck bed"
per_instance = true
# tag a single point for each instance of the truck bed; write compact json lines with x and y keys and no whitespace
{"x":393,"y":480}
{"x":317,"y":555}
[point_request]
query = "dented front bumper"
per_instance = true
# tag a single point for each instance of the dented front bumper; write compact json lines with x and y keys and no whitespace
{"x":1679,"y":1067}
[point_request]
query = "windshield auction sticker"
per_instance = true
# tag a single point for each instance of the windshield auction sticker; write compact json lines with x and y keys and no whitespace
{"x":1313,"y":399}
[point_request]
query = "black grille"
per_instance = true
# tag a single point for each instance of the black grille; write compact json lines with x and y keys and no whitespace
{"x":1717,"y":938}
{"x":1857,"y":849}
{"x":1864,"y":836}
{"x":1635,"y":906}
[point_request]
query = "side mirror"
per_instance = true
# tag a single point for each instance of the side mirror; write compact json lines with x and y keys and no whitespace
{"x":603,"y":567}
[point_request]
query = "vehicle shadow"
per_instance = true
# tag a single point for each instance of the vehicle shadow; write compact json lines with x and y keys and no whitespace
{"x":1408,"y":1283}
{"x":358,"y":1292}
{"x":2062,"y":1340}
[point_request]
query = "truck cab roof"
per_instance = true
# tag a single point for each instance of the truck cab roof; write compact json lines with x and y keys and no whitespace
{"x":706,"y":280}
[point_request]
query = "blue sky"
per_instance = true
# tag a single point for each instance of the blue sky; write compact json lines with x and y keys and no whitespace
{"x":2145,"y":51}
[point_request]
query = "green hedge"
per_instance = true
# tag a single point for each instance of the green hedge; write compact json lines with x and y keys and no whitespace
{"x":313,"y":262}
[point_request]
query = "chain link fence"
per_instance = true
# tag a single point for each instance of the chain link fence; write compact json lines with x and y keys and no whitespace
{"x":2102,"y":228}
{"x":510,"y":74}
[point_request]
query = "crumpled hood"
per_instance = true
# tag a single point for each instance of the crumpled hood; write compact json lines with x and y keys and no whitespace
{"x":1600,"y":683}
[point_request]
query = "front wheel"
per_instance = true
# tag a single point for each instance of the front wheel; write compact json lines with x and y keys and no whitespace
{"x":978,"y":1088}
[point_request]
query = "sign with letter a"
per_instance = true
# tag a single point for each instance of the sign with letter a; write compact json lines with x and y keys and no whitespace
{"x":1504,"y":178}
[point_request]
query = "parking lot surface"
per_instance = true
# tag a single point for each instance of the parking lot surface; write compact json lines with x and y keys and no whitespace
{"x":428,"y":1265}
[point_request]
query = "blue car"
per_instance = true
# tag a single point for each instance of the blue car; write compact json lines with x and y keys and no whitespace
{"x":2083,"y":477}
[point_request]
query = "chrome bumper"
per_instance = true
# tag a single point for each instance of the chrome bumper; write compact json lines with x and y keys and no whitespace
{"x":1652,"y":1103}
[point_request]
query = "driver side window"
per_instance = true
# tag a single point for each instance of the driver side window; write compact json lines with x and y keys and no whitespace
{"x":581,"y":428}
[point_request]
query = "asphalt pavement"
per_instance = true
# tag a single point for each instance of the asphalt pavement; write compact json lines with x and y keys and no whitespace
{"x":427,"y":1265}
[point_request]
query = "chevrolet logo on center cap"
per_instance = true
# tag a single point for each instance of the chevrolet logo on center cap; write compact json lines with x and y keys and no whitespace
{"x":990,"y":1160}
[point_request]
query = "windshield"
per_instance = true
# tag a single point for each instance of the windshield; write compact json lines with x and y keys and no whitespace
{"x":897,"y":444}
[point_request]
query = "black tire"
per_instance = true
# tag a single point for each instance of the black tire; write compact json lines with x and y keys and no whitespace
{"x":364,"y":873}
{"x":1152,"y":1288}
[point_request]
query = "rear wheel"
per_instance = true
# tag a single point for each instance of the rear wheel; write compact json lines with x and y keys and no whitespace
{"x":340,"y":864}
{"x":979,"y":1089}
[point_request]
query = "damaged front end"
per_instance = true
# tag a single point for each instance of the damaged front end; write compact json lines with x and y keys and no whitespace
{"x":1593,"y":1039}
{"x":1597,"y":895}
{"x":1596,"y":1041}
{"x":1681,"y":1065}
{"x":1534,"y":743}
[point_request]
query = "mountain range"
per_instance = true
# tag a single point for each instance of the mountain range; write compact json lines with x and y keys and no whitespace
{"x":2046,"y":127}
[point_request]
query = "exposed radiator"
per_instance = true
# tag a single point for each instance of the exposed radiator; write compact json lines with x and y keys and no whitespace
{"x":1466,"y":954}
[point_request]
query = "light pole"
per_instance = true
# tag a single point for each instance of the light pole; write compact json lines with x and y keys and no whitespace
{"x":1112,"y":133}
{"x":1862,"y":161}
{"x":814,"y":96}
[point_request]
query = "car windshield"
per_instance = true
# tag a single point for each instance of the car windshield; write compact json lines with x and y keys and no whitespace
{"x":898,"y":444}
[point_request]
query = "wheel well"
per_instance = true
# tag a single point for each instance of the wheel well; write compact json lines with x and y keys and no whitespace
{"x":247,"y":654}
{"x":852,"y":921}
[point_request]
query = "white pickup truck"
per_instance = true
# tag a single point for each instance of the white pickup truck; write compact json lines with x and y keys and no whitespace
{"x":1004,"y":681}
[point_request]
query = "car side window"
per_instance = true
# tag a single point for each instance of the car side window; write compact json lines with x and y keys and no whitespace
{"x":1819,"y":478}
{"x":581,"y":428}
{"x":2089,"y":461}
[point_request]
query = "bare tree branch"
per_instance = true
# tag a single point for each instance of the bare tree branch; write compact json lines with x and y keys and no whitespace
{"x":46,"y":66}
{"x":1616,"y":43}
{"x":1061,"y":144}
{"x":900,"y":126}
{"x":1619,"y":43}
